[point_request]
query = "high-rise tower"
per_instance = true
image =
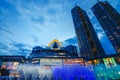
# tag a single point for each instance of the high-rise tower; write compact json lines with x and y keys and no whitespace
{"x":109,"y":19}
{"x":88,"y":41}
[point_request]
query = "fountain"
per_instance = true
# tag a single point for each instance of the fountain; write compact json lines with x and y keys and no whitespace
{"x":69,"y":72}
{"x":103,"y":73}
{"x":73,"y":72}
{"x":66,"y":72}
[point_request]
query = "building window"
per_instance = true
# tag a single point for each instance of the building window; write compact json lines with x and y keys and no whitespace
{"x":118,"y":27}
{"x":104,"y":17}
{"x":112,"y":39}
{"x":115,"y":33}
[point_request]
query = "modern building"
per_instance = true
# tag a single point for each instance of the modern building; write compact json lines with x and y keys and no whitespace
{"x":88,"y":41}
{"x":54,"y":49}
{"x":109,"y":19}
{"x":55,"y":54}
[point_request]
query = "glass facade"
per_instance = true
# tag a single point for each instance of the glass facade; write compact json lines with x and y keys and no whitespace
{"x":109,"y":19}
{"x":88,"y":41}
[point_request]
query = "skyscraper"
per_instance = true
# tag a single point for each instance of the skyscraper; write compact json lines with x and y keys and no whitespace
{"x":109,"y":19}
{"x":88,"y":41}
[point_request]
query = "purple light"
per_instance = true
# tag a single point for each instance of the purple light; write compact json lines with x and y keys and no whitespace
{"x":72,"y":72}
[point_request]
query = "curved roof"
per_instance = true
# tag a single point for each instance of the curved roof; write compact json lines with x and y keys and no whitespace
{"x":55,"y":41}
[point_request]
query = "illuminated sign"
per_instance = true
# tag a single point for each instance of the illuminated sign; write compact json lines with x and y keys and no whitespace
{"x":56,"y":61}
{"x":73,"y":61}
{"x":109,"y":62}
{"x":45,"y":61}
{"x":50,"y":61}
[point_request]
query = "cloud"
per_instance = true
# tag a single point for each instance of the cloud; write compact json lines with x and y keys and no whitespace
{"x":41,"y":3}
{"x":14,"y":48}
{"x":52,"y":12}
{"x":39,"y":20}
{"x":97,"y":27}
{"x":6,"y":9}
{"x":37,"y":28}
{"x":99,"y":31}
{"x":4,"y":28}
{"x":35,"y":11}
{"x":35,"y":39}
{"x":20,"y":46}
{"x":3,"y":46}
{"x":71,"y":41}
{"x":101,"y":35}
{"x":5,"y":49}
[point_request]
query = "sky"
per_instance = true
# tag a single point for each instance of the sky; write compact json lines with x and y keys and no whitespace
{"x":25,"y":24}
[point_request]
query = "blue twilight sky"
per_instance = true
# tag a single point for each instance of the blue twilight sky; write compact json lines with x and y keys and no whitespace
{"x":28,"y":23}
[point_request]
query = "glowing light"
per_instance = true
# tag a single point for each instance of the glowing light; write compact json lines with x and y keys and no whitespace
{"x":109,"y":62}
{"x":119,"y":73}
{"x":55,"y":40}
